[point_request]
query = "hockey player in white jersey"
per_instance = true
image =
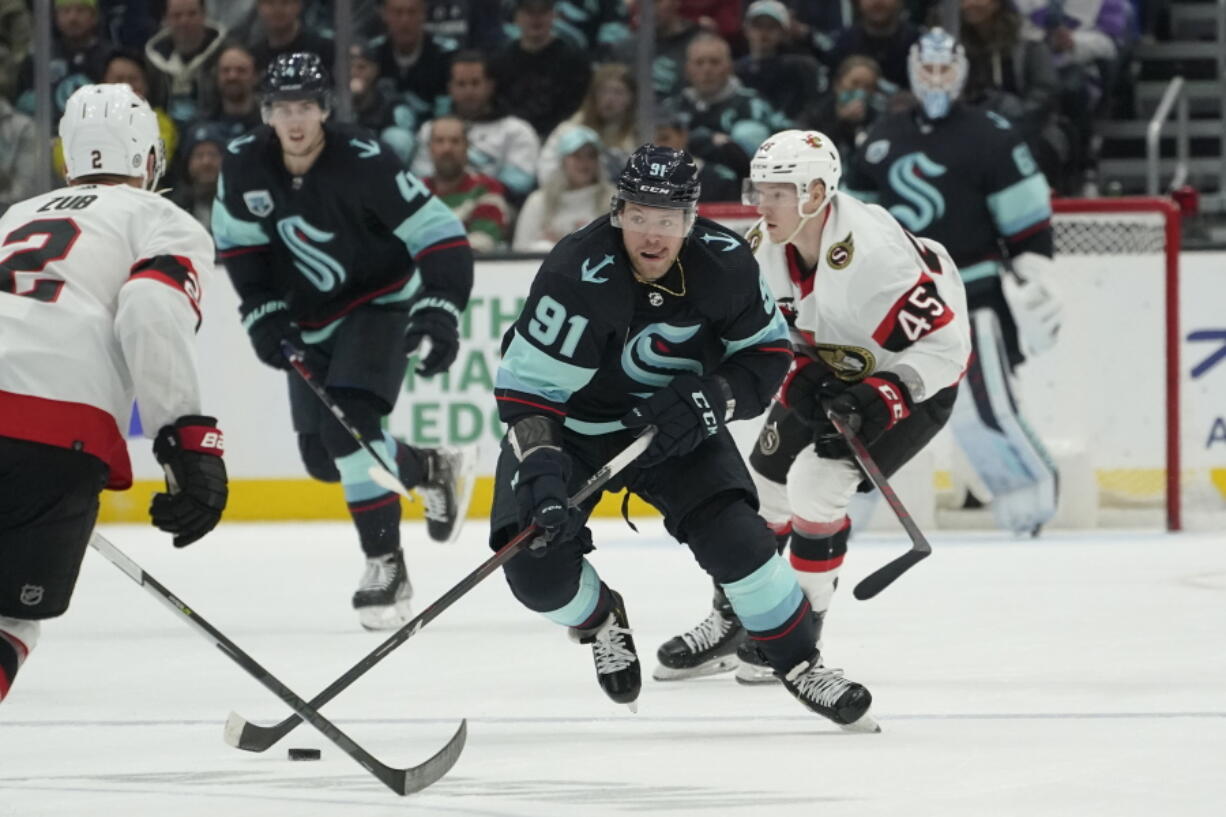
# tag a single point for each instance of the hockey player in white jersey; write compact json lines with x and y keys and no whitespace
{"x":880,"y":328}
{"x":99,"y":303}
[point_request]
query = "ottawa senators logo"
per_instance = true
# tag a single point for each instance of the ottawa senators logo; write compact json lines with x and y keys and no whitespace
{"x":849,"y":363}
{"x":754,"y":238}
{"x":839,"y":255}
{"x":813,"y":140}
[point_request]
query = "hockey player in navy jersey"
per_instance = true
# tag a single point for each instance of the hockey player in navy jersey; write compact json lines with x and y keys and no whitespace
{"x":337,"y":249}
{"x":100,"y":289}
{"x":651,"y":316}
{"x":964,"y":177}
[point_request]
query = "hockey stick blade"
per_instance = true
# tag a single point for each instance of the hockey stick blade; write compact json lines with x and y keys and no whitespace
{"x":880,"y":579}
{"x":401,"y":781}
{"x":252,"y":737}
{"x":884,"y":576}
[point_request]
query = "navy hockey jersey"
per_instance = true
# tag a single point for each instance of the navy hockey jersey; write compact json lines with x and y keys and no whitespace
{"x":356,"y":228}
{"x":593,"y":341}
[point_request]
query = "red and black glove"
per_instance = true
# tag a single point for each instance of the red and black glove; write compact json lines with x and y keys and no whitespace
{"x":190,"y":452}
{"x":809,"y":382}
{"x":870,"y":407}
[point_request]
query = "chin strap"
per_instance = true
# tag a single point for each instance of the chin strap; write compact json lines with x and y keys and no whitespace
{"x":805,"y":219}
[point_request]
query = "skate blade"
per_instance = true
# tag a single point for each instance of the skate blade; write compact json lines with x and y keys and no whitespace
{"x":755,"y":676}
{"x":385,"y":618}
{"x":712,"y":667}
{"x":464,"y":494}
{"x":633,"y":706}
{"x":865,"y":724}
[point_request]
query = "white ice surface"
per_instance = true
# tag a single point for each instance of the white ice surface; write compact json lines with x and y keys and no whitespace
{"x":1078,"y":675}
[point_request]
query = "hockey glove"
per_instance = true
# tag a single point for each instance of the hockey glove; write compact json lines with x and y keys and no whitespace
{"x":196,"y":490}
{"x":870,"y":407}
{"x":685,"y":413}
{"x":1037,"y":310}
{"x":269,"y":324}
{"x":433,"y":335}
{"x":540,"y":492}
{"x":808,"y":382}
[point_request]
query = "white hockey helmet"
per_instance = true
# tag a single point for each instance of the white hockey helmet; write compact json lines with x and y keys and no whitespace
{"x":937,"y":68}
{"x":108,"y":129}
{"x":797,"y":156}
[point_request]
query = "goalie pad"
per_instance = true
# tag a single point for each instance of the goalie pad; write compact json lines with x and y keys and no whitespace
{"x":1003,"y":450}
{"x":1036,"y":309}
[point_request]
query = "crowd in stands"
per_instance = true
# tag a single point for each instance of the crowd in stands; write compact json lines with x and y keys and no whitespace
{"x":518,"y":113}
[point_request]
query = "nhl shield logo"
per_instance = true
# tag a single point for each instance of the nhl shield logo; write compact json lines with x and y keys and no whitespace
{"x":259,"y":202}
{"x":655,"y":298}
{"x":31,"y":595}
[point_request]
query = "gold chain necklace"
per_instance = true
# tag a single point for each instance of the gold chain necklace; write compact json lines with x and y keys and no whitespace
{"x":680,"y":267}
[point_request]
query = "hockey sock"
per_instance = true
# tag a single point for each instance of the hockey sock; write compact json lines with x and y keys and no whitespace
{"x":17,"y":638}
{"x":375,"y":510}
{"x":817,"y":552}
{"x":590,"y":605}
{"x":410,"y":462}
{"x":775,"y":613}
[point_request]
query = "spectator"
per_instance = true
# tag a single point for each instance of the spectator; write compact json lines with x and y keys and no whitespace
{"x":15,"y":34}
{"x":593,"y":27}
{"x":846,"y":113}
{"x":409,"y":59}
{"x":477,"y":200}
{"x":721,"y":111}
{"x":128,"y":24}
{"x":236,"y":108}
{"x":185,"y":52}
{"x":18,"y":147}
{"x":576,"y":193}
{"x":789,"y":82}
{"x":130,"y":67}
{"x":284,"y":33}
{"x":673,"y":35}
{"x":202,"y":149}
{"x":883,"y":33}
{"x":539,"y":77}
{"x":78,"y":56}
{"x":374,"y":108}
{"x":720,"y":174}
{"x":457,"y":24}
{"x":722,"y":17}
{"x":1014,"y":76}
{"x":818,"y":26}
{"x":499,"y":145}
{"x":609,"y":109}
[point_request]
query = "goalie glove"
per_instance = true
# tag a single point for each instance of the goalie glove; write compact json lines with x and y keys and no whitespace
{"x":1036,"y":309}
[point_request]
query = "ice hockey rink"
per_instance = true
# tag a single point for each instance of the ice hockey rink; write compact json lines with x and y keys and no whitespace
{"x":1080,"y":674}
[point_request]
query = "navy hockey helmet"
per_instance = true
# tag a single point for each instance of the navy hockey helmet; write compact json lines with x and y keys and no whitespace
{"x":300,"y":75}
{"x":656,"y":176}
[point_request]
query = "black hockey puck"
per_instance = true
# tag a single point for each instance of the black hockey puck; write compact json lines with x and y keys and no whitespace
{"x":304,"y":754}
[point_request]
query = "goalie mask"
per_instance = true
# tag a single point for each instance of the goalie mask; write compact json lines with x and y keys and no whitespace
{"x":937,"y":70}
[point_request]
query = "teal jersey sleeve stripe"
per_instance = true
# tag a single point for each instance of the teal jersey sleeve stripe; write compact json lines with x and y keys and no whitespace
{"x":526,"y":368}
{"x":354,"y":469}
{"x":580,"y":608}
{"x":776,"y":330}
{"x":1021,"y":205}
{"x":433,"y":223}
{"x":230,"y":232}
{"x":405,"y":293}
{"x":589,"y":428}
{"x":984,"y":269}
{"x":766,"y":598}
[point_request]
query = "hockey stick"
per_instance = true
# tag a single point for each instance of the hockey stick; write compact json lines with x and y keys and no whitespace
{"x":401,"y":781}
{"x":883,"y":577}
{"x":379,"y":473}
{"x":243,"y":734}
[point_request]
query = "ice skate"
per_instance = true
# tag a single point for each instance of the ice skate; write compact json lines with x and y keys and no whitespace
{"x":709,"y":648}
{"x":832,"y":696}
{"x":383,"y":598}
{"x":447,"y":491}
{"x":617,"y":664}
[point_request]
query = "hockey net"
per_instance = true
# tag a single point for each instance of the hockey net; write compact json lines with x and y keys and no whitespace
{"x":1106,"y":399}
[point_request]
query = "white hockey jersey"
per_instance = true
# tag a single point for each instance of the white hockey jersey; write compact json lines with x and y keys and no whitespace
{"x":880,"y":299}
{"x":100,"y":291}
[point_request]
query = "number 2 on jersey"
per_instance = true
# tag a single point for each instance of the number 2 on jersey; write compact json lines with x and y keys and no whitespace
{"x":28,"y":250}
{"x":547,"y":323}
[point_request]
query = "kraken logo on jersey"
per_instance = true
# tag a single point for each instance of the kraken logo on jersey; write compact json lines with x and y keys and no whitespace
{"x":849,"y":363}
{"x":908,"y":177}
{"x":321,"y":269}
{"x":646,"y":358}
{"x":840,"y":254}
